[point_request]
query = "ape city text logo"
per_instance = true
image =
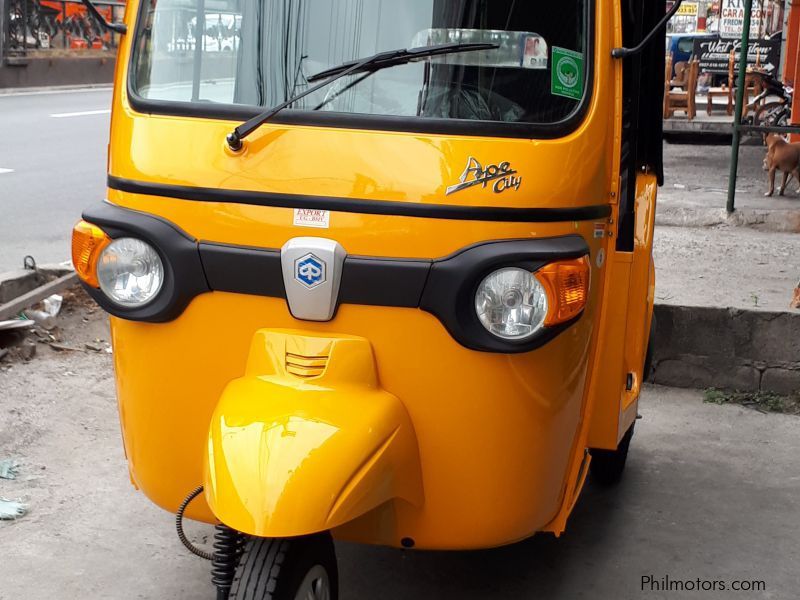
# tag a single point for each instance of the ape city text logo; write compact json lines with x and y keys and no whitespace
{"x":503,"y":176}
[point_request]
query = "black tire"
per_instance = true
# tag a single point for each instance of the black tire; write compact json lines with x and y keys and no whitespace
{"x":275,"y":568}
{"x":607,"y":466}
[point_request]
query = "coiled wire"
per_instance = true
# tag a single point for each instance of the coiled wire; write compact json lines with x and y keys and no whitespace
{"x":228,"y":546}
{"x":179,"y":525}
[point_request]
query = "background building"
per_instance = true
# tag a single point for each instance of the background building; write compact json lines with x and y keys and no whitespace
{"x":55,"y":42}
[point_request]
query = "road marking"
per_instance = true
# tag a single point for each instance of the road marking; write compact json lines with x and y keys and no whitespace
{"x":83,"y":113}
{"x":4,"y":171}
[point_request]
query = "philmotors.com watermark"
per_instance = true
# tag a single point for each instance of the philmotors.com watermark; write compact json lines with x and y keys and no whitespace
{"x":665,"y":583}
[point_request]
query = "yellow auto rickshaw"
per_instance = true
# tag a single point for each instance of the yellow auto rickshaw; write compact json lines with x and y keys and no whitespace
{"x":377,"y":271}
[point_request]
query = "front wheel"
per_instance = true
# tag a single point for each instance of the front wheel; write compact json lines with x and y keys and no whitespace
{"x":302,"y":568}
{"x":769,"y":114}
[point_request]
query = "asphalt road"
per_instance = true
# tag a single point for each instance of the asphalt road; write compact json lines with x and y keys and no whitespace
{"x":52,"y":165}
{"x":710,"y":493}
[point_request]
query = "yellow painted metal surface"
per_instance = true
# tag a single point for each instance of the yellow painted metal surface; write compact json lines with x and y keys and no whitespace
{"x":292,"y":454}
{"x":500,"y":439}
{"x":494,"y":431}
{"x":625,"y":327}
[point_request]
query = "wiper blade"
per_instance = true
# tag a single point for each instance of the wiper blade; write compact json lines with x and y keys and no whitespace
{"x":373,"y":63}
{"x":401,"y":57}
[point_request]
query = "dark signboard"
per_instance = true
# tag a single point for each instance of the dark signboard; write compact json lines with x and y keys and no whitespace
{"x":714,"y":53}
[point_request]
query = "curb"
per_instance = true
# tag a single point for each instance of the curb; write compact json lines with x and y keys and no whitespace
{"x":727,"y":348}
{"x":779,"y":221}
{"x":55,"y":89}
{"x":15,"y":286}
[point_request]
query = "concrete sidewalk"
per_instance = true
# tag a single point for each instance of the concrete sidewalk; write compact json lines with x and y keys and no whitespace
{"x":727,"y":267}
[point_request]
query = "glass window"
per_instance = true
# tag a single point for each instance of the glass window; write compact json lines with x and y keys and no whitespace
{"x":686,"y":45}
{"x":259,"y":53}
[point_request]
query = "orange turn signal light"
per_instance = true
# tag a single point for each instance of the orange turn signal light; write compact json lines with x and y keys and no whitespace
{"x":566,"y":283}
{"x":88,"y":242}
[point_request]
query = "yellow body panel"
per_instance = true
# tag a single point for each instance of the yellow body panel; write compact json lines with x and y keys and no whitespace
{"x":494,"y":431}
{"x":424,"y":438}
{"x":276,"y":437}
{"x":625,"y":327}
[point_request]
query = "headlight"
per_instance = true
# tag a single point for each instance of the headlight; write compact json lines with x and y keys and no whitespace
{"x":511,"y":304}
{"x":130,"y":272}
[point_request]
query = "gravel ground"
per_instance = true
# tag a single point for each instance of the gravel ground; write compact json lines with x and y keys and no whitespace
{"x":711,"y":492}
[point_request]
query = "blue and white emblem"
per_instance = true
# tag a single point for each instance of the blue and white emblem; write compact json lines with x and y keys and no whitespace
{"x":310,"y":270}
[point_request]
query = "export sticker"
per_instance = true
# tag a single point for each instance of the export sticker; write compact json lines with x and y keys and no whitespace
{"x":312,"y":217}
{"x":566,"y":78}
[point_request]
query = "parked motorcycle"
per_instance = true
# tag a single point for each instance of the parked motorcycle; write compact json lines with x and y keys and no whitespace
{"x":776,"y":112}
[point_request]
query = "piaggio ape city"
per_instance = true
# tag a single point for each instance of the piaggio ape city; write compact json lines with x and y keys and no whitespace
{"x":377,"y":271}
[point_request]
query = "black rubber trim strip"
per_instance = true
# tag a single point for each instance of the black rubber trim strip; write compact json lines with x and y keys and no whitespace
{"x":243,"y":270}
{"x":365,"y":280}
{"x":372,"y":207}
{"x":426,"y":125}
{"x":383,"y":281}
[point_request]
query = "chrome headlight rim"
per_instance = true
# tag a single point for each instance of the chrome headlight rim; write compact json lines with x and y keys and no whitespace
{"x":123,"y":244}
{"x":525,"y":299}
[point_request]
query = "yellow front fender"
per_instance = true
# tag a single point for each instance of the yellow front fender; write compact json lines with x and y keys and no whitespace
{"x":307,"y":440}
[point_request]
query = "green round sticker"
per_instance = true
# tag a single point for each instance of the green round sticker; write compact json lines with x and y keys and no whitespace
{"x":567,"y":71}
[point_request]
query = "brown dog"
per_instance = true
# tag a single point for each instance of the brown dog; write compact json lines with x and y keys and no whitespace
{"x":781,"y":156}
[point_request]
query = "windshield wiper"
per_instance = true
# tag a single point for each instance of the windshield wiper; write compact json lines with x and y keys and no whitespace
{"x":373,"y":63}
{"x":401,"y":57}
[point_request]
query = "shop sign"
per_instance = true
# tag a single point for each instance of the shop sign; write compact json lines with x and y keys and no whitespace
{"x":713,"y":54}
{"x":731,"y":21}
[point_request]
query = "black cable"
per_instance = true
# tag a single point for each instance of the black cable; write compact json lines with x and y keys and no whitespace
{"x":179,"y":525}
{"x":260,"y":56}
{"x":287,"y":14}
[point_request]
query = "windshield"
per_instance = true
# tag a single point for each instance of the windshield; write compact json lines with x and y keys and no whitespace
{"x":258,"y":53}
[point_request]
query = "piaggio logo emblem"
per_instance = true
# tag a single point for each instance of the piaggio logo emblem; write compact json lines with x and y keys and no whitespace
{"x":502,"y":175}
{"x":310,"y":270}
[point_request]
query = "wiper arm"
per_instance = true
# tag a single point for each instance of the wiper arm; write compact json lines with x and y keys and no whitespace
{"x":401,"y":57}
{"x":373,"y":63}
